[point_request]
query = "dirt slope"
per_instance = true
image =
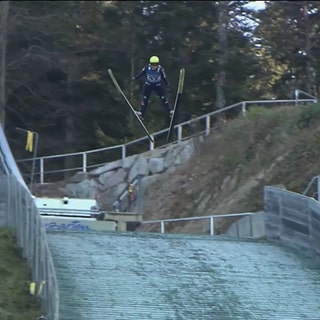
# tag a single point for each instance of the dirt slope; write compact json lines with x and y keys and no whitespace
{"x":268,"y":147}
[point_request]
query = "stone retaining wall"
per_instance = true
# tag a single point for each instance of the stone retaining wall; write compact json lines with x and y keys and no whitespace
{"x":111,"y":179}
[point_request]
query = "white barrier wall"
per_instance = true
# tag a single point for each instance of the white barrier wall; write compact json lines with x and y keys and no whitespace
{"x":20,"y":213}
{"x":293,"y":219}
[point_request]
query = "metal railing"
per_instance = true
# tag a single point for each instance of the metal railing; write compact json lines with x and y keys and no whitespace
{"x":3,"y":166}
{"x":210,"y":219}
{"x":203,"y":125}
{"x":313,"y":187}
{"x":23,"y":217}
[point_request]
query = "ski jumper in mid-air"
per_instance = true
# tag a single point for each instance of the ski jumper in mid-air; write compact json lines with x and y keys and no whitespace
{"x":155,"y":78}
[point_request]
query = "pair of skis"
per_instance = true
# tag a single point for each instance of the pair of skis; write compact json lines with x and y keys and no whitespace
{"x":176,"y":103}
{"x":175,"y":106}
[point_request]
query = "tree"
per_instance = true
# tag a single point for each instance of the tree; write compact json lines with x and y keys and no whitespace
{"x":59,"y":52}
{"x":288,"y":43}
{"x":4,"y":10}
{"x":222,"y":41}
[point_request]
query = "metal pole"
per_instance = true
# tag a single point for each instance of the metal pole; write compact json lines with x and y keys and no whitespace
{"x":84,"y":162}
{"x":207,"y":125}
{"x":123,"y":151}
{"x":41,"y":171}
{"x":162,"y":227}
{"x":140,"y":194}
{"x":244,"y":108}
{"x":296,"y":96}
{"x":34,"y":158}
{"x":151,"y":145}
{"x":211,"y":226}
{"x":179,"y":133}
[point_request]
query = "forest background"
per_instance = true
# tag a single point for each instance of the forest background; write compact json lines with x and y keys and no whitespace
{"x":55,"y":54}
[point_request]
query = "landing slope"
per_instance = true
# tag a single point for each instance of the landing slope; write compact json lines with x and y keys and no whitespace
{"x":149,"y":276}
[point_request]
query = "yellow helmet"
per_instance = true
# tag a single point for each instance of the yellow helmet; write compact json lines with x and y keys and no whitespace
{"x":154,"y":60}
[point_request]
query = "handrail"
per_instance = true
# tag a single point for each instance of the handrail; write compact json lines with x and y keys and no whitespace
{"x":310,"y":184}
{"x":210,"y":217}
{"x":297,"y":91}
{"x":204,"y":128}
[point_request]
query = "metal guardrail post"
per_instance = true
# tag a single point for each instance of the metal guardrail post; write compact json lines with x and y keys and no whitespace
{"x":207,"y":125}
{"x":211,"y":226}
{"x":243,"y":108}
{"x":34,"y":159}
{"x":41,"y":171}
{"x":296,"y":96}
{"x":151,"y":144}
{"x":162,"y":227}
{"x":179,"y":133}
{"x":84,"y":162}
{"x":123,"y":151}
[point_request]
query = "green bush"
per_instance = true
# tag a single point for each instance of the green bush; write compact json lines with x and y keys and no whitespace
{"x":308,"y":115}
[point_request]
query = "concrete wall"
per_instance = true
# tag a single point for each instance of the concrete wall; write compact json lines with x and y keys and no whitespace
{"x":252,"y":226}
{"x":292,"y":219}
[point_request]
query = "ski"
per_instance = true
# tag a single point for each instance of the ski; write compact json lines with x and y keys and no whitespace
{"x":176,"y":103}
{"x":115,"y":82}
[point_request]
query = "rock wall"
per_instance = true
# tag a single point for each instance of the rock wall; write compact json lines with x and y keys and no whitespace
{"x":109,"y":181}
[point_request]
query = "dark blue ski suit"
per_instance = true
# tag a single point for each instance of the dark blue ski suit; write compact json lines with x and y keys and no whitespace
{"x":155,"y":77}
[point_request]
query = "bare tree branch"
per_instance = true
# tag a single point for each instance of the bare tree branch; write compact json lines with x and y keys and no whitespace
{"x":53,"y":103}
{"x":17,"y":114}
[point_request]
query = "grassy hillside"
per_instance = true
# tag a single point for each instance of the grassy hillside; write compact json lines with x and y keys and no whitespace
{"x":270,"y":146}
{"x":15,"y":301}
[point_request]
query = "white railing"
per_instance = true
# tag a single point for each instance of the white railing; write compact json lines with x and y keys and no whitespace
{"x":313,"y":188}
{"x":23,"y":218}
{"x":54,"y":164}
{"x":210,"y":219}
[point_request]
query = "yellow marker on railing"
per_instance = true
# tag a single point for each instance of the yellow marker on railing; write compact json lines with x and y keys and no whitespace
{"x":29,"y":144}
{"x":33,"y":287}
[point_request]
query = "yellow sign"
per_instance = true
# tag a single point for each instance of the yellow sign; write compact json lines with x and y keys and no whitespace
{"x":131,"y":188}
{"x":29,"y":144}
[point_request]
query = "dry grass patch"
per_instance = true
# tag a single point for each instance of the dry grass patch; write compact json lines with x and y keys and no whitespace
{"x":15,"y":300}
